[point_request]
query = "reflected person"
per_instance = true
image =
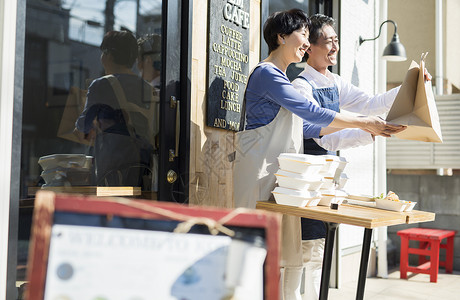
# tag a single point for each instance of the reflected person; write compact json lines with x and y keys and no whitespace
{"x":149,"y":65}
{"x":149,"y":61}
{"x":118,"y":116}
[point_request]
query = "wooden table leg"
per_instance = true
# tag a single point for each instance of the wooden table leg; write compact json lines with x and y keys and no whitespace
{"x":327,"y":259}
{"x":363,"y":265}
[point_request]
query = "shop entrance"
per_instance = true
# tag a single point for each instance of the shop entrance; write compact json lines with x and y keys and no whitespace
{"x":80,"y":130}
{"x":76,"y":122}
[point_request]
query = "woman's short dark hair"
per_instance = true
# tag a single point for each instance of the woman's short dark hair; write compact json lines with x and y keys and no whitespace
{"x":283,"y":23}
{"x":318,"y":21}
{"x":122,"y":45}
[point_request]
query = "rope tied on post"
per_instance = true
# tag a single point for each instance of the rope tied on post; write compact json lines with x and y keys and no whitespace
{"x":214,"y":226}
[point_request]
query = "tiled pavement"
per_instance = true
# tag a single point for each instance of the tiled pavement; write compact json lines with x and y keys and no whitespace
{"x":416,"y":287}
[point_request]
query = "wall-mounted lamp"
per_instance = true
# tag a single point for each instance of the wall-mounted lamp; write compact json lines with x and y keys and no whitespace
{"x":394,"y":51}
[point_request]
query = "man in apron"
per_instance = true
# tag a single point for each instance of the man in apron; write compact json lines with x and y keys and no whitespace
{"x":332,"y":92}
{"x":273,"y":112}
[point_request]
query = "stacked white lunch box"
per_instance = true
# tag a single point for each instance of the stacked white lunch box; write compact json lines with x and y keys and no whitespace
{"x":308,"y":180}
{"x":334,"y":180}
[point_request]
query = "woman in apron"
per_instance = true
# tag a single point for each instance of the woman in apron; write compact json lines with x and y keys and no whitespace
{"x":274,"y":113}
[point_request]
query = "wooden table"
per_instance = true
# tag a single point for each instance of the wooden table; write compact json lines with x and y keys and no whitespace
{"x":367,"y":217}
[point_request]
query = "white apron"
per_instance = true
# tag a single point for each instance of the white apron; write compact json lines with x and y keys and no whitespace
{"x":254,"y":168}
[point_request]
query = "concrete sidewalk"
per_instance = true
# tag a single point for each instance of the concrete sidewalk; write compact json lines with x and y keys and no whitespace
{"x":416,"y":287}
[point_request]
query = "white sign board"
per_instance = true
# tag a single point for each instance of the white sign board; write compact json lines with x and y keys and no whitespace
{"x":109,"y":263}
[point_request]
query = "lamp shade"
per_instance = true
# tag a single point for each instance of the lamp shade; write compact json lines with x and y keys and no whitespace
{"x":394,"y":51}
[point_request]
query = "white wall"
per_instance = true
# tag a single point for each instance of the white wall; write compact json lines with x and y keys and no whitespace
{"x":416,"y":21}
{"x":4,"y":201}
{"x":359,"y":65}
{"x":416,"y":29}
{"x":452,"y":42}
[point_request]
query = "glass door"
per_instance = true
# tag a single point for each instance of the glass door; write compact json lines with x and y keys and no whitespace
{"x":105,"y":101}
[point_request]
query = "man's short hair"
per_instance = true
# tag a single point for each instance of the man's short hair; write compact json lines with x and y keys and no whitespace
{"x":150,"y":44}
{"x":318,"y":21}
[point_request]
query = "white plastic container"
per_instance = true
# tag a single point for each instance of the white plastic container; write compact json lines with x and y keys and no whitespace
{"x":342,"y":181}
{"x":333,"y":163}
{"x":342,"y":163}
{"x":359,"y":202}
{"x":329,"y":168}
{"x":66,"y":176}
{"x":361,"y":197}
{"x":391,"y":205}
{"x":333,"y":196}
{"x":291,"y":197}
{"x":307,"y":158}
{"x":328,"y":183}
{"x":65,"y":161}
{"x":314,"y":201}
{"x":409,"y":205}
{"x":301,"y":163}
{"x":298,"y":181}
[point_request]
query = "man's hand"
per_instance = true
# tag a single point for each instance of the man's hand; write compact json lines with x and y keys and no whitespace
{"x":427,"y":75}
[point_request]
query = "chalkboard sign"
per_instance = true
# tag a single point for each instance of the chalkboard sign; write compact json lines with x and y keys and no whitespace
{"x":228,"y":62}
{"x":85,"y":247}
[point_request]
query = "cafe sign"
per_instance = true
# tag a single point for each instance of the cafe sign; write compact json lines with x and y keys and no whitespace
{"x":228,"y":62}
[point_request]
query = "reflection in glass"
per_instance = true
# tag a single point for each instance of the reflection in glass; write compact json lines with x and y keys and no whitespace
{"x":62,"y":60}
{"x":118,"y":117}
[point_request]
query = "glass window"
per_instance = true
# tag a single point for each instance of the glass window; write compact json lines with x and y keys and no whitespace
{"x":107,"y":134}
{"x":82,"y":129}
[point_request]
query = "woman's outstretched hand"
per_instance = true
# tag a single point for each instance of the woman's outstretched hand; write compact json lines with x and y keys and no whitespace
{"x":378,"y":126}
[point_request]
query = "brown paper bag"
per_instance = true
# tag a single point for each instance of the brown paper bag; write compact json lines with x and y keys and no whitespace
{"x":72,"y":110}
{"x":415,"y":107}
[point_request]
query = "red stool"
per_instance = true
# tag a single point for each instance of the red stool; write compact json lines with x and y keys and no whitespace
{"x":429,"y":245}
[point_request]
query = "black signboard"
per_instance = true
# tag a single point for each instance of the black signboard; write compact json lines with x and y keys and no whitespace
{"x":228,"y":62}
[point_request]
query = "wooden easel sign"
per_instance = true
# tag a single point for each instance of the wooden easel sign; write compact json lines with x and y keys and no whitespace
{"x":101,"y":249}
